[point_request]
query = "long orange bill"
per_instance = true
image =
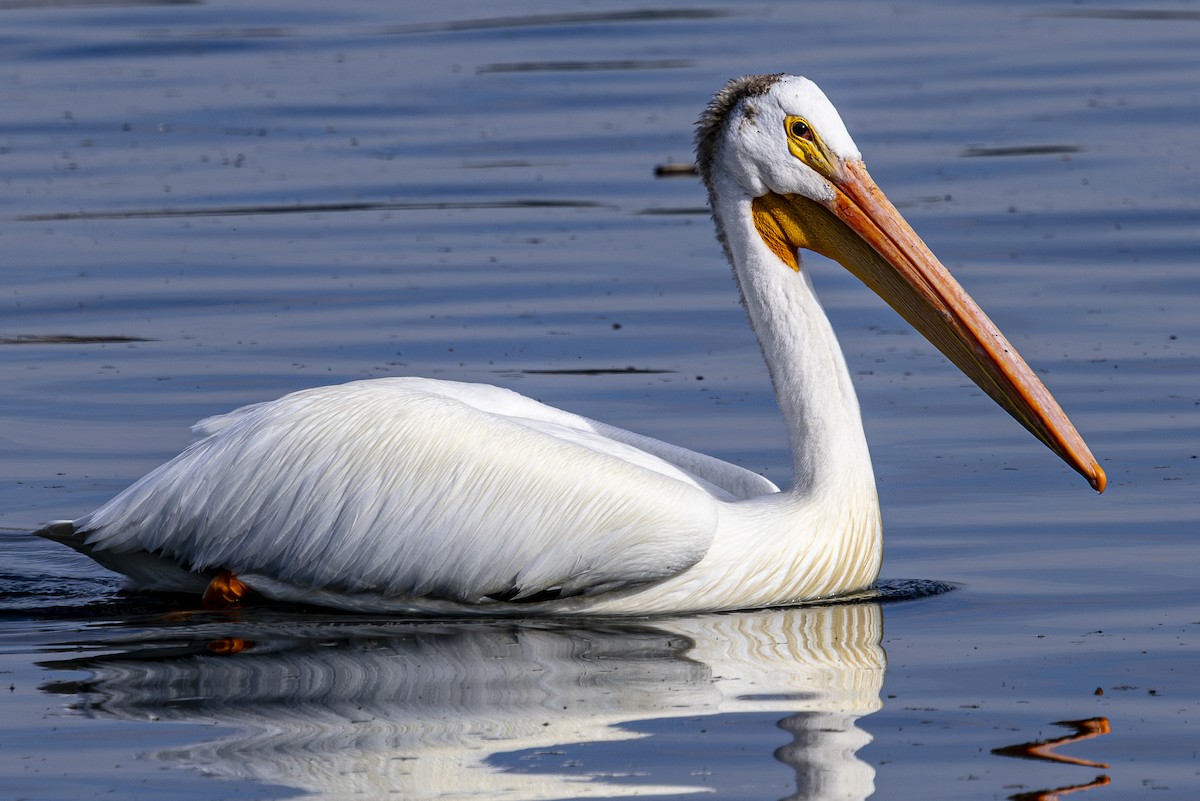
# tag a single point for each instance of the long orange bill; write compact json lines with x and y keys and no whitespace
{"x":861,"y":229}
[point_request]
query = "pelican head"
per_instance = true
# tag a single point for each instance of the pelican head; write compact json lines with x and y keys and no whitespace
{"x":774,"y":150}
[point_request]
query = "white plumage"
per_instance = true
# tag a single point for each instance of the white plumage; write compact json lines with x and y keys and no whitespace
{"x":423,"y":495}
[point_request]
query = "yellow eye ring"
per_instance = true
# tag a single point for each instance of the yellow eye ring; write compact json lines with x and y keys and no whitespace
{"x":806,"y":145}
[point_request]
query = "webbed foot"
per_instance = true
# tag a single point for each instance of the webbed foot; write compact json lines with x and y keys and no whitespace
{"x":226,"y":591}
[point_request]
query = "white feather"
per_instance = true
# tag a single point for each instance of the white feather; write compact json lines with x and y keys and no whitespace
{"x":412,"y":487}
{"x":414,"y":494}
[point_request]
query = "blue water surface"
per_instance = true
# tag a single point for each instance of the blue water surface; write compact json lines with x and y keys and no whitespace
{"x":211,"y":204}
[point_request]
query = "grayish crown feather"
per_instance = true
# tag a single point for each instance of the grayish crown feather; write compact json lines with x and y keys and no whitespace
{"x":714,"y":118}
{"x":708,"y":135}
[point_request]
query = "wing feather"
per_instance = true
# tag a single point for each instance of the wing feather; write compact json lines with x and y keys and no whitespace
{"x":721,"y":478}
{"x":415,"y":488}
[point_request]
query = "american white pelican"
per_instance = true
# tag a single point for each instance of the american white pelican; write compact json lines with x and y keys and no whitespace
{"x":408,"y":494}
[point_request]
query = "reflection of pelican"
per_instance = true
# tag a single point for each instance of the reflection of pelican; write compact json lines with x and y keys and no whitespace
{"x":418,"y":494}
{"x":346,"y":709}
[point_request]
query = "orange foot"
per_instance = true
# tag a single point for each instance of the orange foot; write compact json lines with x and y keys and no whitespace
{"x":226,"y":591}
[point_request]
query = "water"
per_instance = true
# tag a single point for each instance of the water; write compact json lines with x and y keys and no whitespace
{"x":207,"y":205}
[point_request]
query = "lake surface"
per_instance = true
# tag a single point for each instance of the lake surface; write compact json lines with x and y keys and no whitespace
{"x":210,"y":204}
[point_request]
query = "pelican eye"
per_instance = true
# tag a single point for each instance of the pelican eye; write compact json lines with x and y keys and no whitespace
{"x":806,"y":145}
{"x":801,"y":130}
